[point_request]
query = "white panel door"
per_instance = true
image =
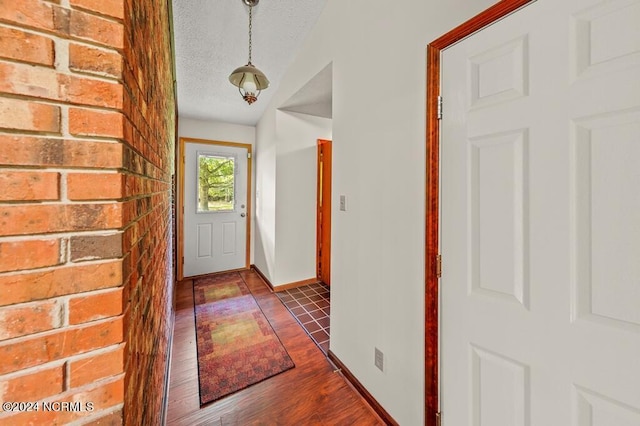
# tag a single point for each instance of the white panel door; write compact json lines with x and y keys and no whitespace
{"x":215,"y":208}
{"x":540,"y":220}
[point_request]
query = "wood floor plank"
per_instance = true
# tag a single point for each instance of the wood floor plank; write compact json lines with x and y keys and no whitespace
{"x":312,"y":393}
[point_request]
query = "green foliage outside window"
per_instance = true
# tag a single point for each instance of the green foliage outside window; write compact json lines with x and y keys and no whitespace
{"x":215,"y":183}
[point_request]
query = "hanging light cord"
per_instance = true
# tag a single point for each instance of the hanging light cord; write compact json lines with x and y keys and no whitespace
{"x":250,"y":28}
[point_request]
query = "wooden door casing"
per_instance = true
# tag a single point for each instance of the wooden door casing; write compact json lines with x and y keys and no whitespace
{"x":323,"y":238}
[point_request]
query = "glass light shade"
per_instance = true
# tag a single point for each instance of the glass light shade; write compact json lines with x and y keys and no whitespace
{"x":248,"y":76}
{"x":249,"y":84}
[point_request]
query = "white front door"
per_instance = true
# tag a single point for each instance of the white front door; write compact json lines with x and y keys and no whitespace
{"x":540,"y":220}
{"x":215,"y":208}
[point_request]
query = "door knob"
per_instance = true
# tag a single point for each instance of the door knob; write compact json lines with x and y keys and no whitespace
{"x":242,"y":214}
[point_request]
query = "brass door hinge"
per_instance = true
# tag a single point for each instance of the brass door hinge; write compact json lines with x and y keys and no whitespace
{"x":438,"y":419}
{"x":439,"y":266}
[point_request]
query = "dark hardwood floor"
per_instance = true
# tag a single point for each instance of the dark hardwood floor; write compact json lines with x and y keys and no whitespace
{"x":312,"y":393}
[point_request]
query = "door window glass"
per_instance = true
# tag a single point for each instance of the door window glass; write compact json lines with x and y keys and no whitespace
{"x":216,"y":183}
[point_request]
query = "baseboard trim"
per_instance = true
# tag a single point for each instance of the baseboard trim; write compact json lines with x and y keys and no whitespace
{"x":295,"y":284}
{"x":263,"y":276}
{"x":167,"y":372}
{"x":283,"y":287}
{"x":386,"y":417}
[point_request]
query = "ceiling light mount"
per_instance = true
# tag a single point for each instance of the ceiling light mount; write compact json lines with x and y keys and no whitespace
{"x":249,"y":79}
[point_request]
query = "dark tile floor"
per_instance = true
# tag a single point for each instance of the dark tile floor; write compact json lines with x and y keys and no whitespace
{"x":310,"y":305}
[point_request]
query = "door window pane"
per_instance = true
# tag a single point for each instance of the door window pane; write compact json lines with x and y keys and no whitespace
{"x":216,"y":183}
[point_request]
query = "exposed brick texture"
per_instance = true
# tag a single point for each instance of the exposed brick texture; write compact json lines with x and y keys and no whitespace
{"x":109,"y":8}
{"x":29,"y":318}
{"x":149,"y":131}
{"x":94,"y":186}
{"x":33,"y":387}
{"x":95,"y":367}
{"x":87,"y":122}
{"x":92,"y":60}
{"x":105,"y":395}
{"x":37,"y":151}
{"x":18,"y":114}
{"x":94,"y":306}
{"x":89,"y":247}
{"x":38,"y":285}
{"x":46,"y":83}
{"x":87,"y":141}
{"x":29,"y":254}
{"x":29,"y":186}
{"x":39,"y":218}
{"x":39,"y":349}
{"x":25,"y":47}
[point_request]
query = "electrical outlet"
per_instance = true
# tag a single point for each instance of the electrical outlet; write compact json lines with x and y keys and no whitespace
{"x":343,"y":203}
{"x":379,"y":359}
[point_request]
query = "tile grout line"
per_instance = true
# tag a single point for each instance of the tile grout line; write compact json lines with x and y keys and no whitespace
{"x":295,"y":298}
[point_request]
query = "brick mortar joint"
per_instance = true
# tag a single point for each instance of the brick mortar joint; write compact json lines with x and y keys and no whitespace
{"x":59,"y":104}
{"x":63,"y":67}
{"x":69,"y":265}
{"x":70,"y":392}
{"x":91,"y":12}
{"x":59,"y":363}
{"x":25,"y":203}
{"x":70,"y":327}
{"x":58,"y":236}
{"x":56,"y":33}
{"x":71,"y":138}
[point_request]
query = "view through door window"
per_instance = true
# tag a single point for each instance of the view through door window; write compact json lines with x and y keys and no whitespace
{"x":216,"y":183}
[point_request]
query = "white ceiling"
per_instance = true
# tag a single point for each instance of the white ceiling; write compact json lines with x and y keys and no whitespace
{"x":211,"y":40}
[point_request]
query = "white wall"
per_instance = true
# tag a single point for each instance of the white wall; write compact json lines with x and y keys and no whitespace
{"x":378,"y":53}
{"x":286,"y":195}
{"x":296,"y":182}
{"x":223,"y":132}
{"x":265,"y":235}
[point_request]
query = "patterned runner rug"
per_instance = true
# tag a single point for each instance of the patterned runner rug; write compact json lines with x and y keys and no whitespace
{"x":237,"y":346}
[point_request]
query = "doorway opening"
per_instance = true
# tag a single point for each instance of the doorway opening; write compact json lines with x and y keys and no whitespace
{"x":525,"y":229}
{"x":323,"y":239}
{"x":214,"y":206}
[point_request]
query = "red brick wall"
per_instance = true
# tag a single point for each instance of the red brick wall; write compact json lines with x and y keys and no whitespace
{"x":149,"y":106}
{"x":87,"y":129}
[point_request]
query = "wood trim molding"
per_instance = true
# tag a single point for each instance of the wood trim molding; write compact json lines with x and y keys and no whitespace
{"x":434,"y":50}
{"x":431,"y":234}
{"x":375,"y":405}
{"x":283,"y":287}
{"x":263,"y":276}
{"x":179,"y":209}
{"x":323,"y":210}
{"x":295,"y":284}
{"x":167,"y":371}
{"x":180,"y":190}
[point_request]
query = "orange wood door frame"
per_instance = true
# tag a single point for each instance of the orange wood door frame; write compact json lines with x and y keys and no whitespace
{"x":180,"y":204}
{"x":323,"y":215}
{"x":434,"y":50}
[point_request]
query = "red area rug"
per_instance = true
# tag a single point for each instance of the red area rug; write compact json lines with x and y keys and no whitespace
{"x":237,"y":346}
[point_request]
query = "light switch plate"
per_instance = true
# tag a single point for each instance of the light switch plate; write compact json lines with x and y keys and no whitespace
{"x":379,"y":359}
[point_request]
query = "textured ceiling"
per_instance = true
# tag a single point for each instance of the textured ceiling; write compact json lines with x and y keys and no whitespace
{"x":211,"y":40}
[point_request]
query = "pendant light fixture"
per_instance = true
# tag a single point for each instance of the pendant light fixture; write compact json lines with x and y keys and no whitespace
{"x":249,"y":79}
